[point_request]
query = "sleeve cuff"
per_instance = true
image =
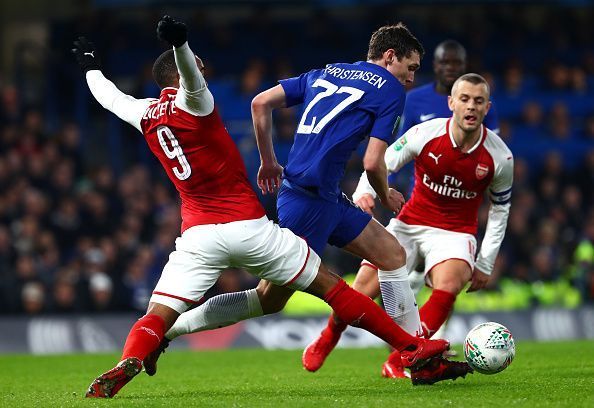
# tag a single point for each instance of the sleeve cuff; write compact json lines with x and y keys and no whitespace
{"x":364,"y":187}
{"x":483,"y":266}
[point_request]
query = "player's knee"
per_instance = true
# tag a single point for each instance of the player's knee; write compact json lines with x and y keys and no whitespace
{"x":270,"y":304}
{"x":449,"y":282}
{"x":393,"y":258}
{"x":452,"y":277}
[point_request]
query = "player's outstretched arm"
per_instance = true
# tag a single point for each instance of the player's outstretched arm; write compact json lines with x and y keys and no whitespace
{"x":105,"y":92}
{"x":193,"y":95}
{"x":270,"y":172}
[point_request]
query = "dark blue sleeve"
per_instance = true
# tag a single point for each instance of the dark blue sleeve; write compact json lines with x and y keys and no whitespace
{"x":492,"y":119}
{"x":294,"y":89}
{"x":388,"y":116}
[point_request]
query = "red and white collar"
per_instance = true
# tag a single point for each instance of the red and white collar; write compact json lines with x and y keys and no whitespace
{"x":476,"y":145}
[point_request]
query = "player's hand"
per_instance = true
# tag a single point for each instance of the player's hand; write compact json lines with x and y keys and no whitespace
{"x":478,"y":281}
{"x":366,"y":202}
{"x":269,"y":177}
{"x":86,"y":55}
{"x":172,"y":31}
{"x":394,"y":201}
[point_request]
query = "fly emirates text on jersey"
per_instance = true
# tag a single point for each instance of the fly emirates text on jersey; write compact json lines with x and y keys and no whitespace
{"x":449,"y":188}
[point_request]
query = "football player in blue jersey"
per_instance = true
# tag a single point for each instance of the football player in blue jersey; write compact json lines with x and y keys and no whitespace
{"x":343,"y":104}
{"x":430,"y":101}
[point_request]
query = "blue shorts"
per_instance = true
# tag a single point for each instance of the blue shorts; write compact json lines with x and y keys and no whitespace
{"x":317,"y":220}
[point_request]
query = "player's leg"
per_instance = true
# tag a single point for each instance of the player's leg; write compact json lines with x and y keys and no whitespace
{"x":359,"y":310}
{"x":400,"y":303}
{"x":358,"y":233}
{"x":438,"y":248}
{"x":448,"y":279}
{"x":381,"y":248}
{"x":318,"y":350}
{"x":144,"y":336}
{"x":286,"y":260}
{"x":449,"y":259}
{"x":302,"y":213}
{"x":148,"y":331}
{"x":229,"y":308}
{"x":365,"y":282}
{"x":192,"y":269}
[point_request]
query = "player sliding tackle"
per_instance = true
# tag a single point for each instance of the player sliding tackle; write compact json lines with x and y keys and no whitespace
{"x":456,"y":161}
{"x":223,"y":224}
{"x":343,"y":105}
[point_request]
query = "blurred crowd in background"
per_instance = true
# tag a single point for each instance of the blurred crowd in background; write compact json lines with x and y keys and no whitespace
{"x":88,"y":218}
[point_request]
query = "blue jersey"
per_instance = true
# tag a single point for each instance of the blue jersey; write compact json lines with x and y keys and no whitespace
{"x":342,"y":105}
{"x":424,"y":103}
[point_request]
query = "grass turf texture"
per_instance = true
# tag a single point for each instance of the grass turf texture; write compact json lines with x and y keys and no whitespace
{"x":542,"y":375}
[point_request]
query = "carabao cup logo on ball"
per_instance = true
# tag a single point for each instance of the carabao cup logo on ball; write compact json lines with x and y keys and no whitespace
{"x":489,"y":348}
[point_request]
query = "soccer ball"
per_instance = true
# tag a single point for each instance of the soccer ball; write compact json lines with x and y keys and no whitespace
{"x":489,"y":348}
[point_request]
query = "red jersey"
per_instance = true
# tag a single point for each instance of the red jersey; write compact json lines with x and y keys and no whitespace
{"x":449,"y":184}
{"x":202,"y":162}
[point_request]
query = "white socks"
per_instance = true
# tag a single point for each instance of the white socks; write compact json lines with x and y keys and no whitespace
{"x":416,"y":280}
{"x":219,"y":311}
{"x":399,"y":300}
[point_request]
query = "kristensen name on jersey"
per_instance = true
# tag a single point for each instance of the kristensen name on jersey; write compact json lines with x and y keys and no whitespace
{"x":352,"y":74}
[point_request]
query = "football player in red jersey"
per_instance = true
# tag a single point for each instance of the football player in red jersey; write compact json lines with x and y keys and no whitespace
{"x":359,"y":100}
{"x":456,"y":161}
{"x":223,"y":223}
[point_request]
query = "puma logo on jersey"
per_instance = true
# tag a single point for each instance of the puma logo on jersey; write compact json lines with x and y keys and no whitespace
{"x":436,"y":158}
{"x":90,"y":53}
{"x":426,"y":117}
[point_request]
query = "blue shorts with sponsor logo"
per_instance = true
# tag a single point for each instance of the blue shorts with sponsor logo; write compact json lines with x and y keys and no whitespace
{"x":317,"y":220}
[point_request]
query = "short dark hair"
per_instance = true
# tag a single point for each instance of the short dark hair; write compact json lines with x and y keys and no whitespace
{"x":397,"y":37}
{"x":474,"y":79}
{"x":450,"y":45}
{"x":165,"y":70}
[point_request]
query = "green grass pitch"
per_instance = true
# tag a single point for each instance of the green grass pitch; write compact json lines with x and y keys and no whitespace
{"x":542,"y":375}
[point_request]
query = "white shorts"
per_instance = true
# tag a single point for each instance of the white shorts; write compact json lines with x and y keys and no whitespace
{"x":260,"y":246}
{"x":434,"y":245}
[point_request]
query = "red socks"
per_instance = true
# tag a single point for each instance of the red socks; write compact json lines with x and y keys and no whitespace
{"x":144,"y":337}
{"x":336,"y":327}
{"x":435,"y":311}
{"x":358,"y":310}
